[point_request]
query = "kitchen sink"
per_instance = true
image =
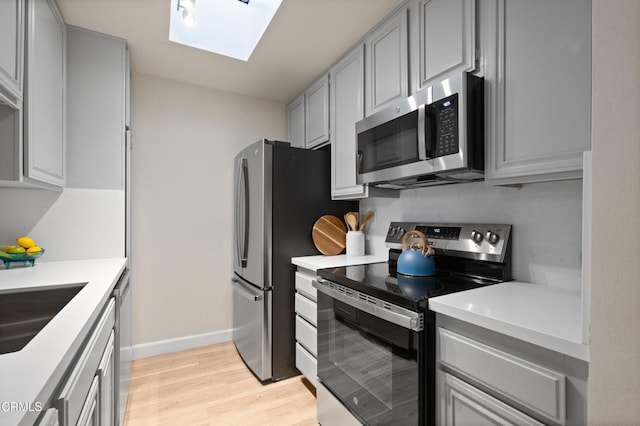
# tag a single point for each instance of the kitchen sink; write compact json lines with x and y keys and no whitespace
{"x":25,"y":313}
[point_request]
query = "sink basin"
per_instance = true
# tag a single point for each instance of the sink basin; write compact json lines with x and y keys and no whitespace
{"x":24,"y":314}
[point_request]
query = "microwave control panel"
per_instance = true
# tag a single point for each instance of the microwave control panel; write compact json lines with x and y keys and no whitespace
{"x":444,"y":118}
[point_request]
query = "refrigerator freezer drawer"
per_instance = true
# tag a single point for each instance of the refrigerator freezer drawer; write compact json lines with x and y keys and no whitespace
{"x":252,"y":326}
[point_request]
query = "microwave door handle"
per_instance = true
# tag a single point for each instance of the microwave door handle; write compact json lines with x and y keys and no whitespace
{"x":422,"y":140}
{"x":429,"y":131}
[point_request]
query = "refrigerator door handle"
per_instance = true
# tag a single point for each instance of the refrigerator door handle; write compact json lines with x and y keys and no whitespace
{"x":244,"y":292}
{"x":245,"y":244}
{"x":238,"y":215}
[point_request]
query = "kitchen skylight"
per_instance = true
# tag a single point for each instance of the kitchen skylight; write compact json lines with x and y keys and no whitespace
{"x":227,"y":27}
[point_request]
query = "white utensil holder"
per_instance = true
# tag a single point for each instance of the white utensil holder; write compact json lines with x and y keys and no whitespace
{"x":355,"y":243}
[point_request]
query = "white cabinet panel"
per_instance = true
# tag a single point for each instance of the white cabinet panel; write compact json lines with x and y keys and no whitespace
{"x":316,"y":100}
{"x":539,"y":74}
{"x":536,"y":387}
{"x":44,"y":136}
{"x":96,"y":103}
{"x":347,"y":108}
{"x":295,"y":122}
{"x":304,"y":285}
{"x":307,"y":309}
{"x":446,"y":41}
{"x":464,"y":405}
{"x":387,"y":75}
{"x":307,"y":336}
{"x":307,"y":364}
{"x":11,"y":50}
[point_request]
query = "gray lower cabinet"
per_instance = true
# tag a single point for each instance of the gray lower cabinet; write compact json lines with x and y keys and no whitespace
{"x":484,"y":377}
{"x":87,"y":395}
{"x":295,"y":122}
{"x":387,"y":66}
{"x":44,"y":116}
{"x":50,"y":418}
{"x":537,"y":66}
{"x":306,"y":326}
{"x":462,"y":404}
{"x":11,"y":51}
{"x":347,"y":108}
{"x":445,"y":41}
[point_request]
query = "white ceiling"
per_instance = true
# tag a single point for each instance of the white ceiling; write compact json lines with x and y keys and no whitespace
{"x":304,"y":38}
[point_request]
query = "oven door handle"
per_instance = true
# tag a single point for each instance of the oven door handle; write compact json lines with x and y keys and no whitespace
{"x":374,"y":306}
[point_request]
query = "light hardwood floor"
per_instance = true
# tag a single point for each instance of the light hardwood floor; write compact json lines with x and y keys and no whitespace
{"x":212,"y":386}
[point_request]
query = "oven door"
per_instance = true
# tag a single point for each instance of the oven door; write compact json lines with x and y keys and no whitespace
{"x":370,"y":364}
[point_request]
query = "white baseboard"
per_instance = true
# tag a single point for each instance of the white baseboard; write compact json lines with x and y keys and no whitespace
{"x":181,"y":343}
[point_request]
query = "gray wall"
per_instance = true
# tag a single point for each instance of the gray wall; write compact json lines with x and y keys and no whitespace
{"x":546,"y":219}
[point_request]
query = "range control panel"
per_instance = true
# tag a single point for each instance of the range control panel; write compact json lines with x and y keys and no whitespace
{"x":471,"y":240}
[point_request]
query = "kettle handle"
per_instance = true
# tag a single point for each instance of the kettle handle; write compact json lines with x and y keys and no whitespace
{"x":426,"y":248}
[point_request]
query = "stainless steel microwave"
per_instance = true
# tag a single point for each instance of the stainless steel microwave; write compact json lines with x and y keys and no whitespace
{"x":434,"y":137}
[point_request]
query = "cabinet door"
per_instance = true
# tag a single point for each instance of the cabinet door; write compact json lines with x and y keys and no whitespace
{"x":96,"y":100}
{"x":106,"y":375}
{"x":446,"y":41}
{"x":539,"y":75}
{"x":347,"y":107}
{"x":11,"y":48}
{"x":387,"y":73}
{"x":316,"y":102}
{"x":295,"y":122}
{"x":44,"y":137}
{"x":90,"y":414}
{"x":461,"y":404}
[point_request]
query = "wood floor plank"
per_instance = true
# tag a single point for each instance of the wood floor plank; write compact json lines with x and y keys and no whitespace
{"x":212,"y":386}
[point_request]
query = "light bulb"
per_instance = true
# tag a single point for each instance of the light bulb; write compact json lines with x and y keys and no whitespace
{"x":188,"y":4}
{"x":188,"y":18}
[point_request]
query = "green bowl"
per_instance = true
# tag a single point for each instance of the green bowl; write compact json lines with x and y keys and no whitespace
{"x":9,"y":258}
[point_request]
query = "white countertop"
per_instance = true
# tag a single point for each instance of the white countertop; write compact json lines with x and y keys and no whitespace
{"x":314,"y":263}
{"x":545,"y":316}
{"x":31,"y":374}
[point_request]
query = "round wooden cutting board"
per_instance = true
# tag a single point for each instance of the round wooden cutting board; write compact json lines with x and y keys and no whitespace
{"x":329,"y":235}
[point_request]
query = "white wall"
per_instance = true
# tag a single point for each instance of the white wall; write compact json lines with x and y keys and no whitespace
{"x":614,"y":382}
{"x":184,"y":141}
{"x":74,"y":224}
{"x":546,"y":220}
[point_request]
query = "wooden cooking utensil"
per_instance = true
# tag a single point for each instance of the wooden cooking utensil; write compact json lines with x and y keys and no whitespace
{"x":329,"y":235}
{"x":352,"y":220}
{"x":367,"y":218}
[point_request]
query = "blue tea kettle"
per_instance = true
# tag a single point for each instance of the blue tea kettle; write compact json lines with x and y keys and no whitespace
{"x":417,"y":259}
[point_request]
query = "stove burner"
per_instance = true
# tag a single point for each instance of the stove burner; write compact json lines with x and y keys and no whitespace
{"x":413,"y":286}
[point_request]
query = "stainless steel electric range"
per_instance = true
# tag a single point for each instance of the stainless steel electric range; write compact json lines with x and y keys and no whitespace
{"x":376,"y":335}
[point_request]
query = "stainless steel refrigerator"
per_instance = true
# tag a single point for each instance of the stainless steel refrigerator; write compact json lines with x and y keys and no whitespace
{"x":280,"y":192}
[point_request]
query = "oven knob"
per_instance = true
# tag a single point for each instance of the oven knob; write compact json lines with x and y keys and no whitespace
{"x":476,"y":236}
{"x":492,"y":237}
{"x":400,"y":230}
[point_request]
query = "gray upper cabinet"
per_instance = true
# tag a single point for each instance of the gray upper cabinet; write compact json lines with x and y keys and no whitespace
{"x":386,"y":70}
{"x":295,"y":122}
{"x":11,"y":51}
{"x":44,"y":126}
{"x":538,"y":72}
{"x":446,"y":40}
{"x":97,"y":95}
{"x":308,"y":116}
{"x":316,"y":99}
{"x":347,"y":107}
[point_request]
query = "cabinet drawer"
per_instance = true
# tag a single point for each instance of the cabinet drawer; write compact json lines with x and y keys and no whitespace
{"x":533,"y":386}
{"x":307,"y":309}
{"x":307,"y":335}
{"x":80,"y":380}
{"x":307,"y":364}
{"x":304,"y":285}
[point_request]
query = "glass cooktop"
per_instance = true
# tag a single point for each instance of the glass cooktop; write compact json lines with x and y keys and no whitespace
{"x":381,"y":281}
